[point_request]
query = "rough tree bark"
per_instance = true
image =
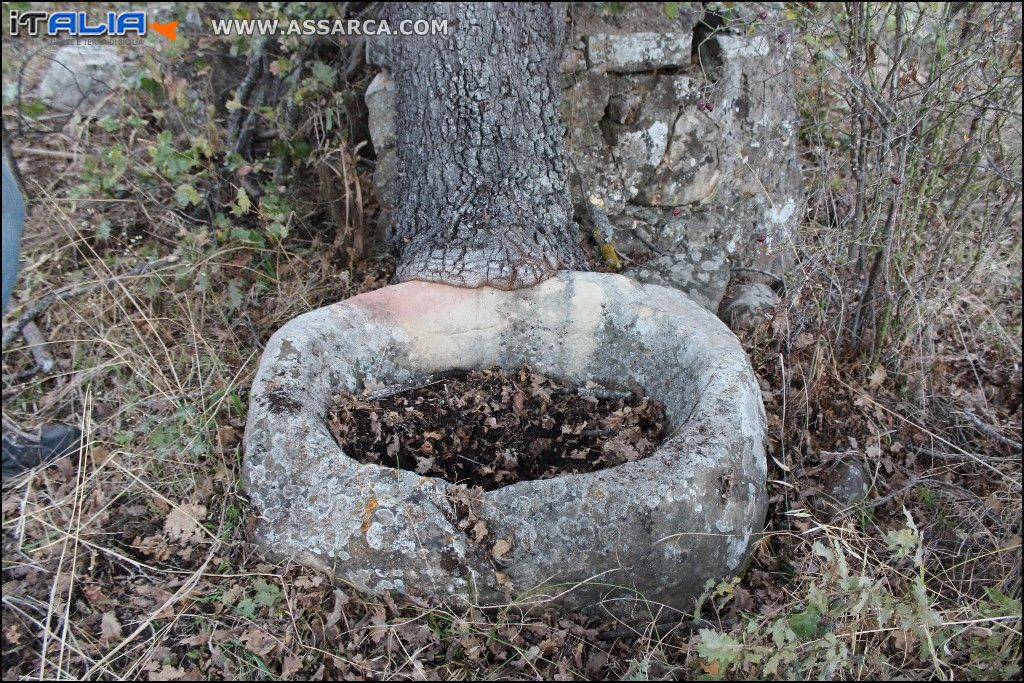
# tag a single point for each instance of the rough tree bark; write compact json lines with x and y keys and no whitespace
{"x":482,"y":193}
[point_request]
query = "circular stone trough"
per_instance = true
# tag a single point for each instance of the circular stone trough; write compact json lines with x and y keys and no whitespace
{"x":656,"y":528}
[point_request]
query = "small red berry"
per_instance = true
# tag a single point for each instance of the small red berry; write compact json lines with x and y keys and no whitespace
{"x":677,"y":211}
{"x":782,"y":38}
{"x":896,"y":180}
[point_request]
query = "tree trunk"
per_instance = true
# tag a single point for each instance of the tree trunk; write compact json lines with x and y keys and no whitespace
{"x":482,"y":193}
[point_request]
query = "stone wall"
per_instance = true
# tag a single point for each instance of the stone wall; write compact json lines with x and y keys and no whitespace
{"x":680,"y":129}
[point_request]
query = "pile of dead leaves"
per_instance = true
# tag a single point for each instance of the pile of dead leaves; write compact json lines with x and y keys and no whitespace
{"x":491,"y":428}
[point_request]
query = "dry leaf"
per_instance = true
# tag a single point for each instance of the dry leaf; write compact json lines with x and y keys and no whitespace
{"x":501,"y":547}
{"x":182,"y":523}
{"x":167,"y":673}
{"x":110,"y":627}
{"x":290,"y":665}
{"x":258,"y":641}
{"x":878,"y":377}
{"x":711,"y":667}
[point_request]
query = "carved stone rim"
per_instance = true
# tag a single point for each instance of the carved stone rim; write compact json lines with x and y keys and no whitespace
{"x":659,"y":527}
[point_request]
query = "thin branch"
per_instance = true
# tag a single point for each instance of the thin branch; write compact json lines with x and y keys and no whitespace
{"x":43,"y":304}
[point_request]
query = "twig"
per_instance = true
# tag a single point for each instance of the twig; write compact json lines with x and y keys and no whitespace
{"x":962,"y":457}
{"x":417,"y":383}
{"x":914,"y":481}
{"x":37,"y":345}
{"x":778,"y":279}
{"x":41,"y":305}
{"x":990,"y":430}
{"x":596,"y":392}
{"x":36,"y":152}
{"x":646,"y":242}
{"x":660,"y":629}
{"x":159,"y":401}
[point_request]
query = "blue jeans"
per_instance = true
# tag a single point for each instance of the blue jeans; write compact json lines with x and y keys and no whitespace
{"x":14,"y":221}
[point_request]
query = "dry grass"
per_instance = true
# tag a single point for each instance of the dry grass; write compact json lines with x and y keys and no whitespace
{"x":136,"y":561}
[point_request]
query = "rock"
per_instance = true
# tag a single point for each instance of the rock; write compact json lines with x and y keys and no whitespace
{"x":633,"y":26}
{"x":690,"y":172}
{"x":641,"y":528}
{"x":751,"y":305}
{"x":380,"y":106}
{"x":847,"y":484}
{"x":584,"y":98}
{"x":80,"y":76}
{"x":702,"y":273}
{"x":573,"y":60}
{"x":643,"y":51}
{"x":709,"y":148}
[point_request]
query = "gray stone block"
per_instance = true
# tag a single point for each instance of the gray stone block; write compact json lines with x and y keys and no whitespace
{"x":641,"y":51}
{"x":80,"y":76}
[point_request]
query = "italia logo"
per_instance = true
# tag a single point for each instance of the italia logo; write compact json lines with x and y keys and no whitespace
{"x":78,"y":24}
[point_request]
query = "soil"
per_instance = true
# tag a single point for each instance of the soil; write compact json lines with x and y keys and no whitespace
{"x":491,"y":428}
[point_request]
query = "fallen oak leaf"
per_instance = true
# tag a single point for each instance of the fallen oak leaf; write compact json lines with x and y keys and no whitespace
{"x":258,"y":641}
{"x":290,"y":666}
{"x":182,"y":522}
{"x":878,"y":377}
{"x":110,"y":627}
{"x":500,"y":548}
{"x":167,"y":673}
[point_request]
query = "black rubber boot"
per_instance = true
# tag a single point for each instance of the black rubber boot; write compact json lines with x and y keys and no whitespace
{"x":24,"y":451}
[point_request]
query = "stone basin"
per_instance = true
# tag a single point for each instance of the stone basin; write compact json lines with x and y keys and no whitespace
{"x":655,"y":529}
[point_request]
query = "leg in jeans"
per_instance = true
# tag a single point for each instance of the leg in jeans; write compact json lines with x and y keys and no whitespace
{"x":14,"y":221}
{"x":23,"y":450}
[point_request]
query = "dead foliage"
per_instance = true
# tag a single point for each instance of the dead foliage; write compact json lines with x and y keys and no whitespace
{"x":491,"y":428}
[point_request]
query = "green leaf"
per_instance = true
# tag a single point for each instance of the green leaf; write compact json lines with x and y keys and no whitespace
{"x":805,"y":624}
{"x":901,"y":542}
{"x":1004,"y":604}
{"x":301,"y":149}
{"x":150,"y":86}
{"x":221,"y":221}
{"x":169,"y":161}
{"x":277,"y":230}
{"x":109,"y":124}
{"x":324,"y":75}
{"x":242,"y":202}
{"x":235,"y":299}
{"x":267,"y":594}
{"x":33,"y":109}
{"x":246,"y":607}
{"x":187,"y":195}
{"x":721,"y":647}
{"x":671,"y":10}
